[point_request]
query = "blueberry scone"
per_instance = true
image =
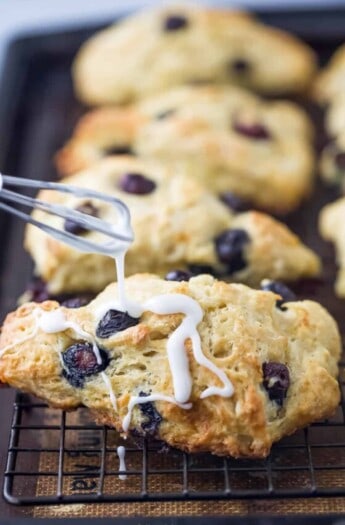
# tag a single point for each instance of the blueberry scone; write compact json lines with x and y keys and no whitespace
{"x":255,"y":367}
{"x":154,"y":50}
{"x":177,"y":224}
{"x":332,"y":228}
{"x":231,"y":140}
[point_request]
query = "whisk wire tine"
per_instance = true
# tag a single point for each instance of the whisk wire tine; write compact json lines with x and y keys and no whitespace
{"x":67,"y":213}
{"x":65,"y":188}
{"x":114,"y":232}
{"x":80,"y":243}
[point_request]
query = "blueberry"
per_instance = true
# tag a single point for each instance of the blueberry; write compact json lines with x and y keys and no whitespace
{"x":339,"y":160}
{"x":230,"y":246}
{"x":72,"y":227}
{"x":153,"y":417}
{"x":281,"y":289}
{"x":252,"y":131}
{"x":81,"y":362}
{"x":276,"y":381}
{"x":178,"y":275}
{"x":136,"y":183}
{"x":165,"y":114}
{"x":234,"y":202}
{"x":114,"y":321}
{"x":239,"y":66}
{"x":75,"y":302}
{"x":175,"y":23}
{"x":118,"y":150}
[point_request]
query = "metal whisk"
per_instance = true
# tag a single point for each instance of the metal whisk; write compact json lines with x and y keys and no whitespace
{"x":119,"y":233}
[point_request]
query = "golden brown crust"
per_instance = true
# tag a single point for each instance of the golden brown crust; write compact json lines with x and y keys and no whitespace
{"x":171,"y":231}
{"x":136,"y":57}
{"x":241,"y":329}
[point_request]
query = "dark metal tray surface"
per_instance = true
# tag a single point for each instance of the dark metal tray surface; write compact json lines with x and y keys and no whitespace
{"x":55,"y":457}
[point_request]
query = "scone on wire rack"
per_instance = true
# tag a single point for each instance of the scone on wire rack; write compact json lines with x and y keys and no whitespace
{"x":280,"y":358}
{"x":177,"y":223}
{"x":154,"y":50}
{"x":231,"y":139}
{"x":332,"y":228}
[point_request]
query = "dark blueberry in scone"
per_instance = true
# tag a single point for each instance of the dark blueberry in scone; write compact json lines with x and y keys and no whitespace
{"x":198,"y":269}
{"x":75,"y":302}
{"x":339,"y":160}
{"x":252,"y":131}
{"x":152,"y":417}
{"x":175,"y":23}
{"x":80,"y":362}
{"x":178,"y":275}
{"x":276,"y":381}
{"x":239,"y":66}
{"x":234,"y":202}
{"x":230,"y":247}
{"x":72,"y":227}
{"x":165,"y":114}
{"x":136,"y":183}
{"x":114,"y":321}
{"x":124,"y":149}
{"x":280,"y":289}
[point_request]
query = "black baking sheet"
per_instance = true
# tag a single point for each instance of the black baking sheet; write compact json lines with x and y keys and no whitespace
{"x":37,"y":114}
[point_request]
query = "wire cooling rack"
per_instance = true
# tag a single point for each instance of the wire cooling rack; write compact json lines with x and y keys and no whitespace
{"x":57,"y":457}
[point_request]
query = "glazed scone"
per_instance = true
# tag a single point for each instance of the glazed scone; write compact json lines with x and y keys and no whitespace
{"x":229,"y":138}
{"x":332,"y":228}
{"x":330,"y":83}
{"x":281,"y":362}
{"x":177,"y":223}
{"x":154,"y":50}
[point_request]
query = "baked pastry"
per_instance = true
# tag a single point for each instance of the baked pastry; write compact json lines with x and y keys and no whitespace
{"x":332,"y":228}
{"x":177,"y":224}
{"x":232,"y":140}
{"x":154,"y":50}
{"x":279,"y":358}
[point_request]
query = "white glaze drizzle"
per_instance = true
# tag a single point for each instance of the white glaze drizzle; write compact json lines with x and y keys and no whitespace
{"x":178,"y":360}
{"x":123,"y":304}
{"x":137,"y":400}
{"x":55,"y":321}
{"x":1,"y":182}
{"x":121,"y":452}
{"x":110,"y":390}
